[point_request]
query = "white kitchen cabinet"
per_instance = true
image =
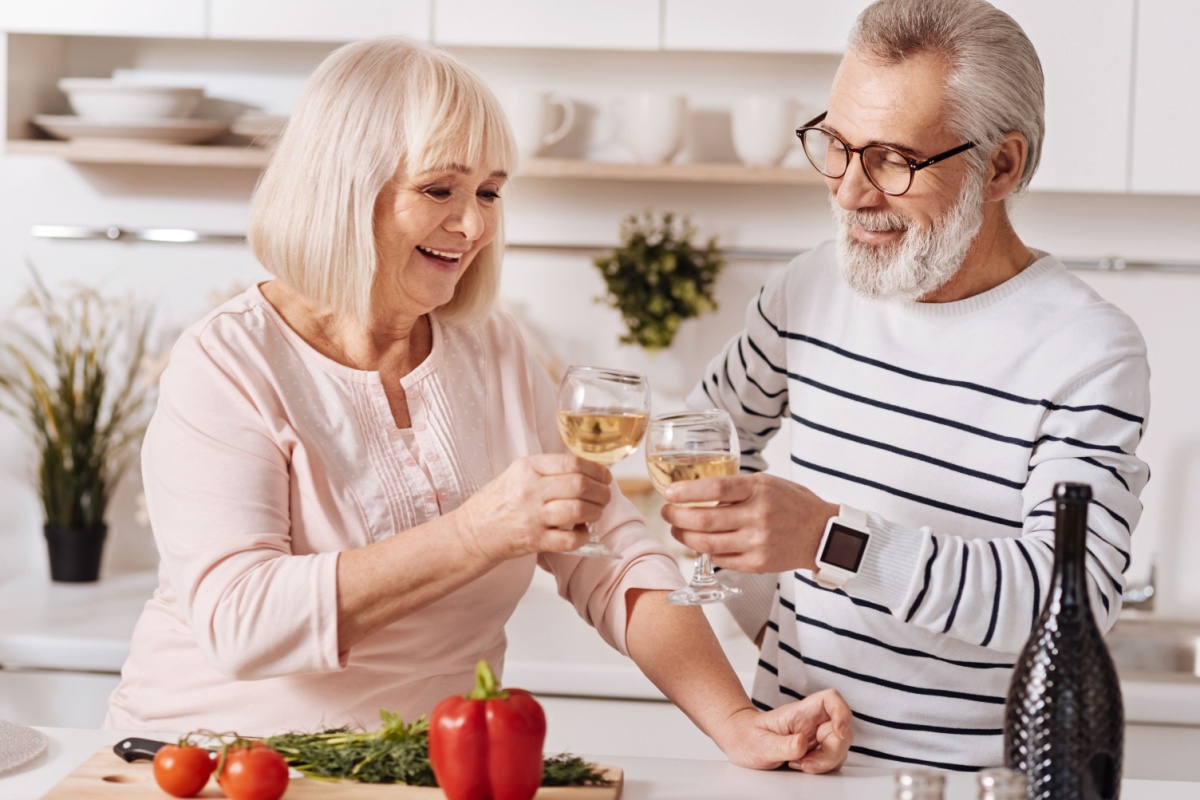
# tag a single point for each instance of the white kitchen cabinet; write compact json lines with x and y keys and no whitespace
{"x":1166,"y":109}
{"x":1086,"y":49}
{"x":779,"y":26}
{"x":168,"y":18}
{"x":615,"y":24}
{"x":318,"y":20}
{"x":55,"y":699}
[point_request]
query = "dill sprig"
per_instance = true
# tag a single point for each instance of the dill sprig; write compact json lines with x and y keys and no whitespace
{"x":398,"y":753}
{"x":565,"y":769}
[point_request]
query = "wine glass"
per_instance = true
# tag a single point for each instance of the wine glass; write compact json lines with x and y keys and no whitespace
{"x":602,"y":416}
{"x":684,"y":446}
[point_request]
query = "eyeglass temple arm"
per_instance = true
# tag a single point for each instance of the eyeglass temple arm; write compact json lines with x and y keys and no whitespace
{"x":929,"y":162}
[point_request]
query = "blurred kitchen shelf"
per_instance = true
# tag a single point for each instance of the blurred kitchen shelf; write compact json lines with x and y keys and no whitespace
{"x":247,"y":157}
{"x":693,"y":173}
{"x":143,"y":153}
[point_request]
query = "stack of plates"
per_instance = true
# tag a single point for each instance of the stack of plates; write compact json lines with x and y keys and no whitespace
{"x":163,"y":131}
{"x":19,"y":745}
{"x":261,"y":129}
{"x":108,"y":110}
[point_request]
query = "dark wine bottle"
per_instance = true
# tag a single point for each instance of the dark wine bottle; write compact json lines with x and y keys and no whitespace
{"x":1064,"y":722}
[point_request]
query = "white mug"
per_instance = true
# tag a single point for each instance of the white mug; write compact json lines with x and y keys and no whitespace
{"x":531,"y":115}
{"x":652,"y":125}
{"x":764,"y":129}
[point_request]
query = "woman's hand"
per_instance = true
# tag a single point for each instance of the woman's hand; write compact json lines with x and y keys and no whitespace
{"x":811,"y":735}
{"x":534,"y":506}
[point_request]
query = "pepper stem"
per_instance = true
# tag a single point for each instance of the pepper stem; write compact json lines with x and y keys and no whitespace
{"x":486,"y":687}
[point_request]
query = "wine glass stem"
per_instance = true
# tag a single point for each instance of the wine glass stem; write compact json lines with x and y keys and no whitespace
{"x":593,"y":534}
{"x":703,"y":571}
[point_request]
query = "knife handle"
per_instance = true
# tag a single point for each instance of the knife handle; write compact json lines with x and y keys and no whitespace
{"x":134,"y":749}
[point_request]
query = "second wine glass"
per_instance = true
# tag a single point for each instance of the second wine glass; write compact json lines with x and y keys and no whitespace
{"x":685,"y":446}
{"x":602,"y":416}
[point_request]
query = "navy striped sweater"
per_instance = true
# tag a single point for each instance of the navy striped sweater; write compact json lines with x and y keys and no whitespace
{"x":948,"y":424}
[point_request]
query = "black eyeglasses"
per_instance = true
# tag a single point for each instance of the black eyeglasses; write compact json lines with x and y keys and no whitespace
{"x":889,"y":170}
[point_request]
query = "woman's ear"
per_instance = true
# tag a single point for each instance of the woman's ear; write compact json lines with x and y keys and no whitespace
{"x":1005,"y":167}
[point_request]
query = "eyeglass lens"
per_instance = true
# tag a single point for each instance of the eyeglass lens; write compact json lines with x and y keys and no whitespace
{"x":888,"y":169}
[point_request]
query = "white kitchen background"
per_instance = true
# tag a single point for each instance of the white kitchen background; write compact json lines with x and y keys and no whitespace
{"x":1119,"y":181}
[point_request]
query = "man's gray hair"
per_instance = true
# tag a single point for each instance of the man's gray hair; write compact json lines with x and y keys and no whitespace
{"x":995,"y":83}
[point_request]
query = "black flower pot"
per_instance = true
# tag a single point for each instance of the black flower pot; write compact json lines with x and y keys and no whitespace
{"x":75,"y":552}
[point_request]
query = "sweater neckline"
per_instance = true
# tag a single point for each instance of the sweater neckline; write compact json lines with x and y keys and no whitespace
{"x":337,"y":369}
{"x":1043,"y":265}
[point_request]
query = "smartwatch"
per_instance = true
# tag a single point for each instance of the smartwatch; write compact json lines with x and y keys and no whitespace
{"x":842,"y":547}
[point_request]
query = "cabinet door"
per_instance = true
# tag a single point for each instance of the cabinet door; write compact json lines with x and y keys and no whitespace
{"x":318,"y":20}
{"x":615,"y":24}
{"x":1167,"y":100}
{"x":1086,"y":49}
{"x":778,"y":26}
{"x":173,"y":18}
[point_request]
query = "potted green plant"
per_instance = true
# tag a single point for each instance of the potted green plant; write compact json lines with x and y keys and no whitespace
{"x":657,"y":277}
{"x":69,"y":375}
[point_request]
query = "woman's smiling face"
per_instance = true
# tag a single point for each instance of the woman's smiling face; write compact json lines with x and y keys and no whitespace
{"x":428,"y":228}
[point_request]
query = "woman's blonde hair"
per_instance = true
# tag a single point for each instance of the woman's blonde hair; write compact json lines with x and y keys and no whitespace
{"x":373,"y":109}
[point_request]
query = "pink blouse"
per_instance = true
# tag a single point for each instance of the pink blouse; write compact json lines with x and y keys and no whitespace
{"x":265,"y":459}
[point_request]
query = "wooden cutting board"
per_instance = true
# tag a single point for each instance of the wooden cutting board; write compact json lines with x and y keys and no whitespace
{"x":105,"y":776}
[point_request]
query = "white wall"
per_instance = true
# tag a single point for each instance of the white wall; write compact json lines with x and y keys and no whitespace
{"x":554,"y":291}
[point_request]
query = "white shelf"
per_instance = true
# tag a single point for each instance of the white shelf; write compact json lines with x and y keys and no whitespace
{"x":249,"y":157}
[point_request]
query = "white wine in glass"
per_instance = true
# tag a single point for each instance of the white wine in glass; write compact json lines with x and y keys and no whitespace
{"x":687,"y":446}
{"x":602,"y":417}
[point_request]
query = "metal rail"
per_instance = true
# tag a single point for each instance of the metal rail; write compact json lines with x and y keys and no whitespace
{"x":115,"y":233}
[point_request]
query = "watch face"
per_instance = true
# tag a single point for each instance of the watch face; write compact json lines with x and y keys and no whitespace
{"x":844,"y":547}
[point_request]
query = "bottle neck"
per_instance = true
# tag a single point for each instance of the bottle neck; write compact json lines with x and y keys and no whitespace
{"x":1070,"y":551}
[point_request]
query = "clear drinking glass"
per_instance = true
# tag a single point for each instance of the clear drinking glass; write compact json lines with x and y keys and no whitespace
{"x":685,"y":446}
{"x":602,"y":415}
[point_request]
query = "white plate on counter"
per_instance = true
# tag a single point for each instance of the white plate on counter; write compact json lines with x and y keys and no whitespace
{"x":19,"y":745}
{"x":161,"y":131}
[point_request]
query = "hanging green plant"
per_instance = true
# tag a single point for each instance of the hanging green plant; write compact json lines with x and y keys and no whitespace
{"x":657,"y":277}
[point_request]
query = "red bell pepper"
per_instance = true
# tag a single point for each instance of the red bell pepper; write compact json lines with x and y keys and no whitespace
{"x":487,"y":745}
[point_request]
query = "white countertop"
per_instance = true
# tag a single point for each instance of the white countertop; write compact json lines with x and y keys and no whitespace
{"x":71,"y":626}
{"x":645,"y":778}
{"x":87,"y":627}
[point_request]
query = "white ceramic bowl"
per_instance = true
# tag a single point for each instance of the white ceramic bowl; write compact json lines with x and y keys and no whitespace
{"x":101,"y":98}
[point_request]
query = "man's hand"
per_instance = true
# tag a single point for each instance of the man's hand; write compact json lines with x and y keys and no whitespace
{"x":811,"y":735}
{"x":762,"y":523}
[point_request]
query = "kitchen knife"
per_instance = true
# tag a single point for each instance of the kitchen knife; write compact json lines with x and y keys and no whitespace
{"x":134,"y":749}
{"x":137,"y":749}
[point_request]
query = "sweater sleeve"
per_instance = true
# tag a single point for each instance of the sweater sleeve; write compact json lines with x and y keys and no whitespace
{"x":989,"y":591}
{"x":748,"y":379}
{"x":217,"y":489}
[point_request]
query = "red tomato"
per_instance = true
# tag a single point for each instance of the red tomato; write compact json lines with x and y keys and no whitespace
{"x":253,"y":773}
{"x":182,"y":770}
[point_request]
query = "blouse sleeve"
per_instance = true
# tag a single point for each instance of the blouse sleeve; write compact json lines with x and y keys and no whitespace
{"x":595,"y":586}
{"x":217,"y":489}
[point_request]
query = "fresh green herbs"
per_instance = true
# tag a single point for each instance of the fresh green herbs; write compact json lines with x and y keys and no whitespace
{"x":565,"y":769}
{"x":397,"y":753}
{"x":657,"y":278}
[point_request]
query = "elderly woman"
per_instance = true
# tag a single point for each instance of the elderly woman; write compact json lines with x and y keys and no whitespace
{"x":353,"y":469}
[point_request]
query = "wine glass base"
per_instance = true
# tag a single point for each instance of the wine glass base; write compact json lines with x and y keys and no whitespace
{"x":702,"y":595}
{"x":594,"y":550}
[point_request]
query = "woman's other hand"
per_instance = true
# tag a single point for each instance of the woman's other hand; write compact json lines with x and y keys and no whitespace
{"x":534,"y":506}
{"x":812,"y":735}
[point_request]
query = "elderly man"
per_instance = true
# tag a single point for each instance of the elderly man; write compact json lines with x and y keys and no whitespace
{"x":935,"y":377}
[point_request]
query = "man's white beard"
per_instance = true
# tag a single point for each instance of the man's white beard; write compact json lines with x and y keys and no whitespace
{"x":922,"y":261}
